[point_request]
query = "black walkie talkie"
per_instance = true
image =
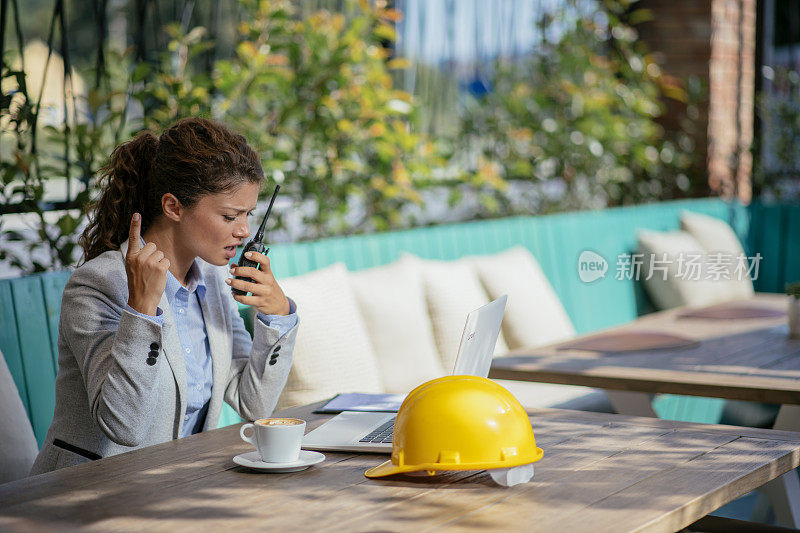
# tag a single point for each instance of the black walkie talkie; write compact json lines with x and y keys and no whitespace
{"x":255,"y":246}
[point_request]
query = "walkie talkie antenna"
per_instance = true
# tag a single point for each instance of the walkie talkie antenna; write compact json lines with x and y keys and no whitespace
{"x":260,"y":233}
{"x":253,"y":247}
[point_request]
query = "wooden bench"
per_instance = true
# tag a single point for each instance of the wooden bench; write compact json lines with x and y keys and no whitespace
{"x":30,"y":306}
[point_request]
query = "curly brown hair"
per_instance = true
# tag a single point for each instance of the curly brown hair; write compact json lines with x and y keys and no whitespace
{"x":191,"y":158}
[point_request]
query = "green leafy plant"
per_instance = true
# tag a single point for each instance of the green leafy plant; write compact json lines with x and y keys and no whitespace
{"x":36,"y":153}
{"x":576,"y":123}
{"x":315,"y":95}
{"x":574,"y":126}
{"x":173,"y":87}
{"x":777,"y":169}
{"x":793,"y":289}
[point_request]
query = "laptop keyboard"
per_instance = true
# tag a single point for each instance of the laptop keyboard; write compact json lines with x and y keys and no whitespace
{"x":381,"y":434}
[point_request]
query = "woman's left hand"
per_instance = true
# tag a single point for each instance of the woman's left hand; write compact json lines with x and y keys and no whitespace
{"x":266,"y":295}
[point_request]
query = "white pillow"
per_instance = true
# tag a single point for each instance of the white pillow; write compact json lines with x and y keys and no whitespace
{"x":534,"y":314}
{"x":333,"y":353}
{"x":452,"y":290}
{"x":673,"y":282}
{"x":532,"y":394}
{"x":392,"y":303}
{"x":717,"y":237}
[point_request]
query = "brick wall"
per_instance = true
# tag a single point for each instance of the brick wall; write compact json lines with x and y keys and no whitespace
{"x":713,"y":40}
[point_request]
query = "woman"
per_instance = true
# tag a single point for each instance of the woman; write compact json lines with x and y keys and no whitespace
{"x":150,"y":340}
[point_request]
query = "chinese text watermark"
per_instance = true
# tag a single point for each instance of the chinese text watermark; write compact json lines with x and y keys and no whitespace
{"x":688,"y":266}
{"x":684,"y":266}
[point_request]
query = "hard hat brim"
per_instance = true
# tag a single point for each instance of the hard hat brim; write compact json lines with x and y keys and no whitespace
{"x":388,"y":469}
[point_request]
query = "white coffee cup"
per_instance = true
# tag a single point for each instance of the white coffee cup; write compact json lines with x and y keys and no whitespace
{"x":277,"y":440}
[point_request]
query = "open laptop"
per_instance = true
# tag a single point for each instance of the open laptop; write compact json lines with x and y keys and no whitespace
{"x":372,"y":432}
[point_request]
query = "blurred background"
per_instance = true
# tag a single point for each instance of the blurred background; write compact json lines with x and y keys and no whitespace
{"x":377,"y":115}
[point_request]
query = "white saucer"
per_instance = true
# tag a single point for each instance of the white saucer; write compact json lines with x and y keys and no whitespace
{"x":253,"y":460}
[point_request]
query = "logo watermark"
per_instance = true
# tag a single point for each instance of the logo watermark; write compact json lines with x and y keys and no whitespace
{"x":684,"y":266}
{"x":591,"y":266}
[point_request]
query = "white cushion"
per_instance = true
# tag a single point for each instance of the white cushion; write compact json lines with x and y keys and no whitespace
{"x":333,"y":353}
{"x":392,"y":303}
{"x":671,"y":281}
{"x":18,"y":448}
{"x":532,"y":394}
{"x":717,"y":237}
{"x":534,"y":314}
{"x":452,"y":290}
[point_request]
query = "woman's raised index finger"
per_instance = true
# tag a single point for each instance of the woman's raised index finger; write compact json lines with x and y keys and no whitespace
{"x":133,"y":237}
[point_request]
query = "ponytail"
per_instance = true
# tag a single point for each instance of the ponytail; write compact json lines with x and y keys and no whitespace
{"x":124,"y":186}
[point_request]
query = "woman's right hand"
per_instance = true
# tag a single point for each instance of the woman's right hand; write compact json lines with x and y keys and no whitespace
{"x":147,"y":269}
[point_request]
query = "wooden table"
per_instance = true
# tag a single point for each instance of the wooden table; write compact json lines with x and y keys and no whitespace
{"x":743,"y":359}
{"x":600,"y":472}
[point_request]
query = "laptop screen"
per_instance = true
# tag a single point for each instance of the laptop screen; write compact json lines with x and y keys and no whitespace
{"x":479,"y":338}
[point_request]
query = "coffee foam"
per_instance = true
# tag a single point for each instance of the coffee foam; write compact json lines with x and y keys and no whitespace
{"x":279,"y":422}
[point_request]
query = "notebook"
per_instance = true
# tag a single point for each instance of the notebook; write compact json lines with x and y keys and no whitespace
{"x":359,"y":401}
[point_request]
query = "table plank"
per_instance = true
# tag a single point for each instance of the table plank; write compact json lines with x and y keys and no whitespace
{"x":554,"y":482}
{"x":670,"y":493}
{"x":749,"y":359}
{"x":548,"y":507}
{"x":386,"y":502}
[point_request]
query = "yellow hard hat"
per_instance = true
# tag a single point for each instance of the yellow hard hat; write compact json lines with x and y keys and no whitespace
{"x":459,"y":423}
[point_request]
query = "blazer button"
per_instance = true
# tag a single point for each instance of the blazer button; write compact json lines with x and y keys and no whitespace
{"x":151,"y":361}
{"x":154,"y":346}
{"x":277,"y":348}
{"x":153,"y":353}
{"x":273,"y":361}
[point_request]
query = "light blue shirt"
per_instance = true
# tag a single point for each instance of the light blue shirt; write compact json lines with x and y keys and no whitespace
{"x":190,"y":324}
{"x":189,"y":321}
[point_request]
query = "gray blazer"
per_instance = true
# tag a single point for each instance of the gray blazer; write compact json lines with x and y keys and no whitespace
{"x":109,"y":400}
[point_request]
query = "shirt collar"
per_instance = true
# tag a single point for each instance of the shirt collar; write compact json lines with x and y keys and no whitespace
{"x":196,"y":282}
{"x":195,"y":277}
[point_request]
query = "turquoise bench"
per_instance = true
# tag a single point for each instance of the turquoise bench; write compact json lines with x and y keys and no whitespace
{"x":30,"y":306}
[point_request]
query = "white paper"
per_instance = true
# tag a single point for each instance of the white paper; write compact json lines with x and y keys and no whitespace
{"x":508,"y":477}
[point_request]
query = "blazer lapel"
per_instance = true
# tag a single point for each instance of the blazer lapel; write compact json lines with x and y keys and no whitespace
{"x":172,"y":349}
{"x":218,"y":342}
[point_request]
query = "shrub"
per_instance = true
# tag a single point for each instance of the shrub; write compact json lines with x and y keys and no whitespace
{"x":575,"y":125}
